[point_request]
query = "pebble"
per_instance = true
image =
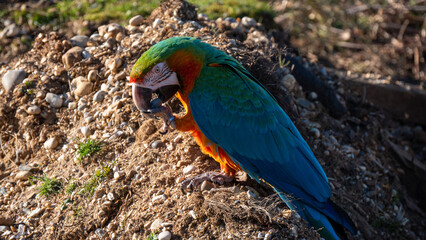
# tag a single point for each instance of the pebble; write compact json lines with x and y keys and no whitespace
{"x":11,"y":78}
{"x":92,"y":76}
{"x":202,"y":16}
{"x":156,"y":225}
{"x":99,"y":96}
{"x":289,"y":82}
{"x":83,"y":88}
{"x":33,"y":110}
{"x":156,"y":23}
{"x":316,"y":132}
{"x":114,"y":29}
{"x":157,"y":144}
{"x":193,"y":214}
{"x":110,"y":196}
{"x":159,"y":198}
{"x":22,"y":175}
{"x":85,"y":54}
{"x":95,"y":37}
{"x":268,"y":236}
{"x":80,"y":40}
{"x":85,"y":131}
{"x":166,"y":235}
{"x":114,"y":64}
{"x":305,"y":103}
{"x":54,"y":100}
{"x":72,"y":56}
{"x":24,"y":167}
{"x":11,"y":30}
{"x":260,"y":235}
{"x":51,"y":143}
{"x":136,"y":20}
{"x":118,"y":175}
{"x":230,"y":20}
{"x":313,"y":95}
{"x":188,"y":169}
{"x":72,"y":105}
{"x":118,"y":133}
{"x":248,"y":22}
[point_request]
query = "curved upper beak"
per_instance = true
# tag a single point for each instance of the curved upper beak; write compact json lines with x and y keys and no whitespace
{"x":141,"y":97}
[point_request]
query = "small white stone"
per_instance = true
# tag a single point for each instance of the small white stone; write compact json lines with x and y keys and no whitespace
{"x":166,"y":235}
{"x":111,"y":197}
{"x":12,"y":77}
{"x":33,"y":110}
{"x":51,"y":143}
{"x":54,"y":100}
{"x":159,"y":198}
{"x":193,"y":214}
{"x":188,"y":169}
{"x":156,"y":23}
{"x":85,"y":131}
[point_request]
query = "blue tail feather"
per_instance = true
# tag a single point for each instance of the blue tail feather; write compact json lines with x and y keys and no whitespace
{"x":322,"y":219}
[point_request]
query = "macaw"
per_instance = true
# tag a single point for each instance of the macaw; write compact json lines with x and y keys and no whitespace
{"x":235,"y":120}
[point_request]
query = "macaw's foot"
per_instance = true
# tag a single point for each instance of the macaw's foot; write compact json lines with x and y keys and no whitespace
{"x":215,"y":177}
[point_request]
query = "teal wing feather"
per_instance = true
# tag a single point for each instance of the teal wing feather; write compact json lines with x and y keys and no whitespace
{"x":241,"y":116}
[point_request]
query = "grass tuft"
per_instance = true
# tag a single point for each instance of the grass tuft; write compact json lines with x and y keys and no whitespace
{"x":99,"y":175}
{"x":49,"y":186}
{"x":88,"y":148}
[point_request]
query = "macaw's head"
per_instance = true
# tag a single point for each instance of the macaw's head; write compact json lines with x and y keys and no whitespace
{"x":164,"y":69}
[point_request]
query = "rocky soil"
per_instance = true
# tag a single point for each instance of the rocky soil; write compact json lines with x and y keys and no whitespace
{"x":67,"y":90}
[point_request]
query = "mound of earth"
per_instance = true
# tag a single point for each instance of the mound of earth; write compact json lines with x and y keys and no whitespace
{"x":75,"y":91}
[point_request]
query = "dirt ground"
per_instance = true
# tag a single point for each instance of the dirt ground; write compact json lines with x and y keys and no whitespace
{"x":367,"y":155}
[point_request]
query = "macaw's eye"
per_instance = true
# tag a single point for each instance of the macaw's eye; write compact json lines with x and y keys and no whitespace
{"x":157,"y":69}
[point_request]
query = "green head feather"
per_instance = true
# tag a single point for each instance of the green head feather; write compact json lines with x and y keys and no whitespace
{"x":161,"y":52}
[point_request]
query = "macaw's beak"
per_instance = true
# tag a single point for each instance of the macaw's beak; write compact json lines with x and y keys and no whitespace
{"x":142,"y":97}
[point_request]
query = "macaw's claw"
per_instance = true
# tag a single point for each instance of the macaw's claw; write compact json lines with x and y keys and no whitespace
{"x":215,"y":177}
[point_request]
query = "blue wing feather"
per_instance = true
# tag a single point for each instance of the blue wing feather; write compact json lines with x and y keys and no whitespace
{"x":258,"y":134}
{"x":236,"y":112}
